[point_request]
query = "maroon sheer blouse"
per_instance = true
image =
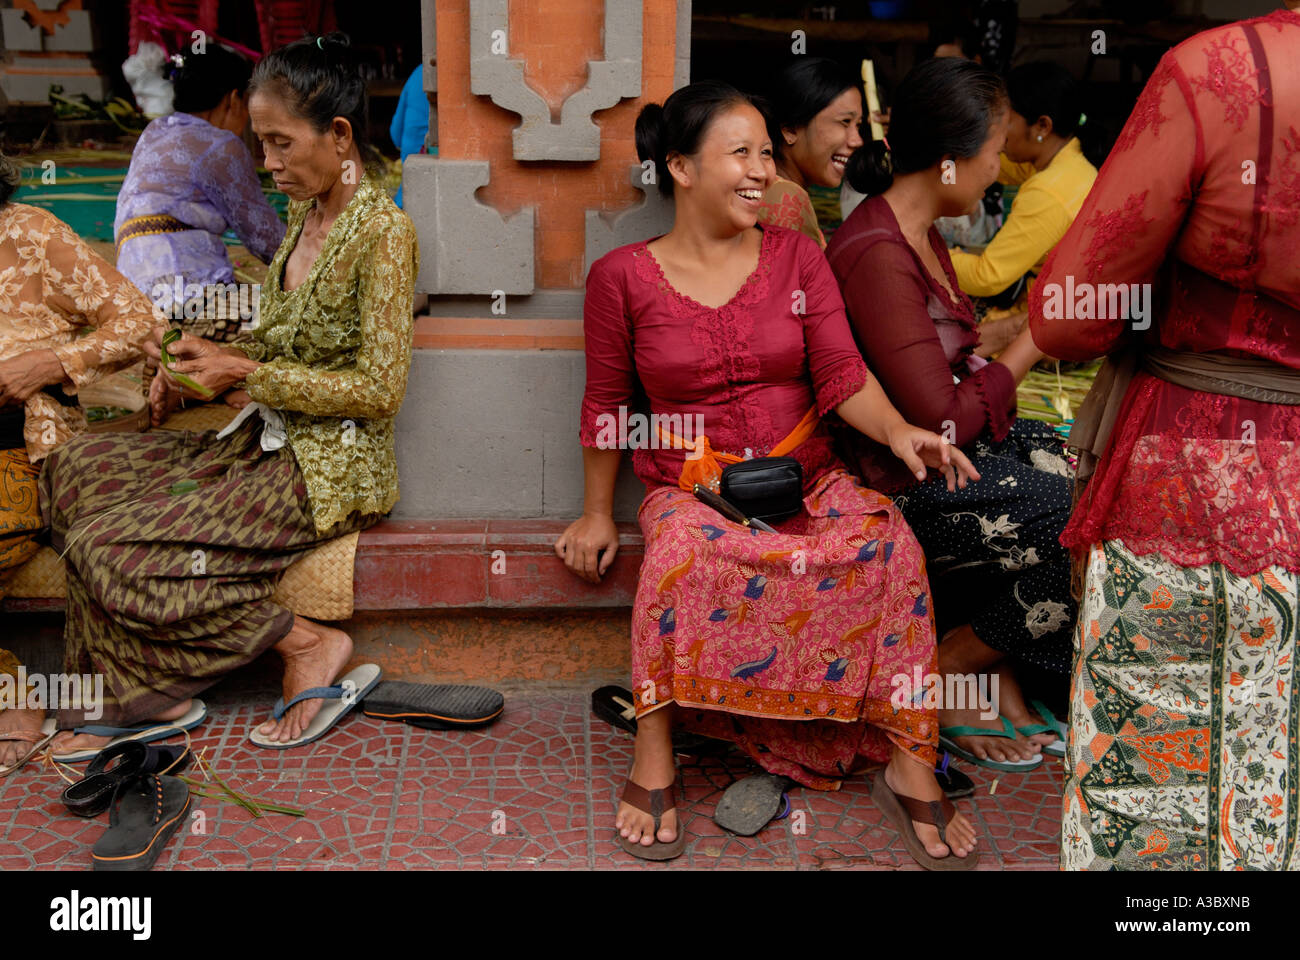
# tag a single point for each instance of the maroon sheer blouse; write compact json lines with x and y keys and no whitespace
{"x":751,"y":367}
{"x":1201,"y":198}
{"x":917,"y":340}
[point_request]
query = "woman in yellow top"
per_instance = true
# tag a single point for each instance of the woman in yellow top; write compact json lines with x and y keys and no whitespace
{"x":174,"y":541}
{"x":1045,"y":157}
{"x":816,"y":111}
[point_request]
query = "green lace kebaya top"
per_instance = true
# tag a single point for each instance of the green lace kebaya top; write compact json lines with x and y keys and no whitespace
{"x":336,"y":352}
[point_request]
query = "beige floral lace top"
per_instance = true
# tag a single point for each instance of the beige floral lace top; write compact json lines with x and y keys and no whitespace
{"x":336,"y":351}
{"x":52,"y":287}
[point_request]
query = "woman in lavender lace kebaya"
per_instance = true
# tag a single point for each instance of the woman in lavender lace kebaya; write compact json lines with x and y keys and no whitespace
{"x":191,"y":179}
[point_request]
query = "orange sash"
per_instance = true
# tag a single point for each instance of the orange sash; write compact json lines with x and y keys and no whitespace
{"x":706,"y":469}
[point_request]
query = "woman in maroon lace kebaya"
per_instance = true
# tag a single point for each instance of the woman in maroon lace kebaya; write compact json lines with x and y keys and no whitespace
{"x":1184,"y":704}
{"x":1000,"y":577}
{"x":788,"y":643}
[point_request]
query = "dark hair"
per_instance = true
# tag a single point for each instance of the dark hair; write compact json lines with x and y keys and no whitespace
{"x":803,"y":90}
{"x":10,"y":177}
{"x":679,"y":125}
{"x":942,"y":107}
{"x":319,"y":79}
{"x":1047,"y":89}
{"x":962,"y":32}
{"x":202,"y":80}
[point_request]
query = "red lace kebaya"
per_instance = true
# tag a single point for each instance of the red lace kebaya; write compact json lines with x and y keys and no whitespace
{"x":751,"y":367}
{"x":1200,"y":198}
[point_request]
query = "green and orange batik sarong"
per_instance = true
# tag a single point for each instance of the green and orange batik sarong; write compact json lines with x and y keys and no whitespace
{"x":1184,"y":716}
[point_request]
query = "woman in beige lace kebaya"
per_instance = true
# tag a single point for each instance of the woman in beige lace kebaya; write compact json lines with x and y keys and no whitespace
{"x":52,"y":286}
{"x":175,"y":541}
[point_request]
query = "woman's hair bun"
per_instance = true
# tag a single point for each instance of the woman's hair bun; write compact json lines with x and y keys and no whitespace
{"x":203,"y":80}
{"x":334,"y":41}
{"x":870,"y":169}
{"x":650,"y":133}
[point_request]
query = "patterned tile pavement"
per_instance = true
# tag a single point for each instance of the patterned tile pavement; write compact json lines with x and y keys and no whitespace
{"x":535,"y":791}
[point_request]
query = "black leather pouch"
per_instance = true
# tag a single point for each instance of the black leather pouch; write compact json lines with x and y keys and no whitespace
{"x":768,"y":488}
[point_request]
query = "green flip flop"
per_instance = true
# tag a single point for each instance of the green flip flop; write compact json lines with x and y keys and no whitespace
{"x":1051,"y":725}
{"x":1007,"y":732}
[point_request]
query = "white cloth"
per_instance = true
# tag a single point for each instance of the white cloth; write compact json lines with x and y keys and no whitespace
{"x":274,"y":433}
{"x":143,"y":71}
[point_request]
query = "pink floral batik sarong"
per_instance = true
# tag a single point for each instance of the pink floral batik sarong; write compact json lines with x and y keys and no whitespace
{"x":787,"y":643}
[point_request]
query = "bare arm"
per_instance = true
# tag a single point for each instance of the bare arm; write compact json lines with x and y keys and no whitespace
{"x":869,"y":411}
{"x":590,"y":543}
{"x":1020,"y":355}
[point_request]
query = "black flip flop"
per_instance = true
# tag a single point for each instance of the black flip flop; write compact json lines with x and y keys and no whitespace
{"x":954,"y":783}
{"x":434,"y":706}
{"x":750,"y":804}
{"x":91,"y":795}
{"x":617,"y":707}
{"x":146,"y":810}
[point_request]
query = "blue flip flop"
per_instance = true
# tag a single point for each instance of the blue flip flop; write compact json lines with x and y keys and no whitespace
{"x":340,"y":699}
{"x":144,"y":733}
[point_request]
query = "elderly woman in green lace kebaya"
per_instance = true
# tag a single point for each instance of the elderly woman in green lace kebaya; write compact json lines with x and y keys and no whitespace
{"x":311,"y":459}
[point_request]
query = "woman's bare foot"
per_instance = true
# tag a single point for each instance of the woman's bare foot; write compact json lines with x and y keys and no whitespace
{"x":653,"y":769}
{"x":963,"y":654}
{"x":993,"y":747}
{"x":908,"y":778}
{"x":69,"y":742}
{"x":15,"y":720}
{"x":313,"y":656}
{"x":238,"y":399}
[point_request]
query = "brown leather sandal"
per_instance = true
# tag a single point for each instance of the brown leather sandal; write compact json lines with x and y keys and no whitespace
{"x":902,"y":810}
{"x":656,"y":803}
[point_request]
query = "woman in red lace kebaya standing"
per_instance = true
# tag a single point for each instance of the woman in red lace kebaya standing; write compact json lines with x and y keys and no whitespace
{"x":1184,"y":705}
{"x":789,"y":643}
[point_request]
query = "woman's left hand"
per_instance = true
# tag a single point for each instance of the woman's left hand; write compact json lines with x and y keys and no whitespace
{"x":202,"y":361}
{"x":920,"y":449}
{"x":22,"y":376}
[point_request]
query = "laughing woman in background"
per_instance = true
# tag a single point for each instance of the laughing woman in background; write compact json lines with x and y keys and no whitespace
{"x":816,"y":112}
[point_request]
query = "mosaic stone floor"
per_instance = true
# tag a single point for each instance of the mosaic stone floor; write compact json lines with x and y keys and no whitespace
{"x":535,"y":791}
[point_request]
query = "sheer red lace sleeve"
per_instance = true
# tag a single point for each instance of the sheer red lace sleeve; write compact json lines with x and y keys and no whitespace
{"x":887,"y":302}
{"x":1127,"y":224}
{"x":1200,"y":198}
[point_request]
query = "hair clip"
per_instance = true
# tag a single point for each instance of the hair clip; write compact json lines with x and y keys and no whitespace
{"x":1083,"y":118}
